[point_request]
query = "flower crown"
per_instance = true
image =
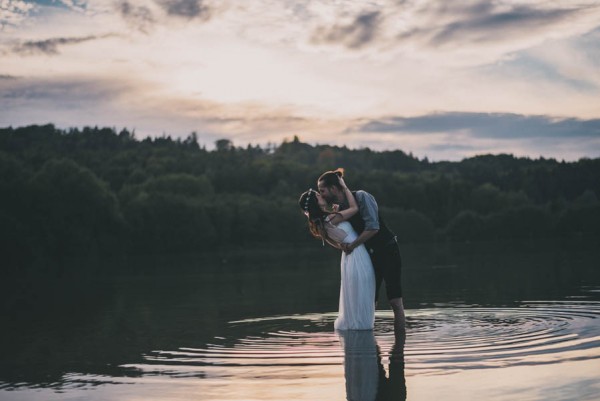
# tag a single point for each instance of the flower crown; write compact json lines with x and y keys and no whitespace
{"x":310,"y":191}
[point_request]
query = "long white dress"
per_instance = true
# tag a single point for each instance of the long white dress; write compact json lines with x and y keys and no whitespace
{"x":357,"y":290}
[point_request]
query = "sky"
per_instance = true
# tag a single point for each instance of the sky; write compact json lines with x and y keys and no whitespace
{"x":439,"y":79}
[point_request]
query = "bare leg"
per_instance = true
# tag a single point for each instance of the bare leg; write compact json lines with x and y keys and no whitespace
{"x":399,"y":320}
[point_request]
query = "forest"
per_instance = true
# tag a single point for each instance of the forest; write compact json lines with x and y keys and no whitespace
{"x":92,"y":197}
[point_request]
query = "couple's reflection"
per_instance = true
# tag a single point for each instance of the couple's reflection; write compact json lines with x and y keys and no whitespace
{"x":365,"y":375}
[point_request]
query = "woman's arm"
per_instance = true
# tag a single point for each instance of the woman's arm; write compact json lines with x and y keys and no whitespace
{"x":352,"y":206}
{"x":334,"y":244}
{"x":332,"y":235}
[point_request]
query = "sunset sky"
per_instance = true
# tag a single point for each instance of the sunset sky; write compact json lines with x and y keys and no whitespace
{"x":442,"y":79}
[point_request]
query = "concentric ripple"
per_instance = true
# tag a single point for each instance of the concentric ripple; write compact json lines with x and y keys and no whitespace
{"x":440,"y":340}
{"x":536,"y":333}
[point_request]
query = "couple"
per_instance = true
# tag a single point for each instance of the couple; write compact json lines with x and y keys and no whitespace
{"x":350,"y":221}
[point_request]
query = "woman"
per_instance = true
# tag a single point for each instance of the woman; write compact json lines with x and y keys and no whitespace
{"x":357,"y":291}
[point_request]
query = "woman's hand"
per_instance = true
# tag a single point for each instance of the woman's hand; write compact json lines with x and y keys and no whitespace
{"x":343,"y":183}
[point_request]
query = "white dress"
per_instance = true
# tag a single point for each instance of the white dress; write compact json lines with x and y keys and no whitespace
{"x":357,"y":290}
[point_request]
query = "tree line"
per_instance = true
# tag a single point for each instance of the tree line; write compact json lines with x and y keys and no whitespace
{"x":92,"y":196}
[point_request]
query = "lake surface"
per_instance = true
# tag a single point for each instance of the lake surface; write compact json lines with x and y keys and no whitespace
{"x":493,"y":321}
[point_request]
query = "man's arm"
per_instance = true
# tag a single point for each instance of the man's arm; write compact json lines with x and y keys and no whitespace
{"x":369,"y":211}
{"x":362,"y":238}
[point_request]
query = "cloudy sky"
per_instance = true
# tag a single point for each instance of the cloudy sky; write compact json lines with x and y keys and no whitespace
{"x":442,"y":79}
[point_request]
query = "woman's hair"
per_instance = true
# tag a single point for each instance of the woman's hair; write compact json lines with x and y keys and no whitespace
{"x":332,"y":178}
{"x":309,"y":204}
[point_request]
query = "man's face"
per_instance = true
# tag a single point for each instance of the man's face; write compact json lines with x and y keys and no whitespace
{"x":325,"y":192}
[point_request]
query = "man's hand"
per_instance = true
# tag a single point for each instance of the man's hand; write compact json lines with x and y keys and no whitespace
{"x":362,"y":238}
{"x":348,"y":248}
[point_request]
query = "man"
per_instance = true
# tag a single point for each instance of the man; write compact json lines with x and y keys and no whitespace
{"x":377,"y":238}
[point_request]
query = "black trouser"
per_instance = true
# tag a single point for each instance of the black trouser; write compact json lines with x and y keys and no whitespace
{"x":388,"y":266}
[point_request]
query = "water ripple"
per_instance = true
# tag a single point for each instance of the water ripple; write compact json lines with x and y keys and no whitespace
{"x":440,"y":340}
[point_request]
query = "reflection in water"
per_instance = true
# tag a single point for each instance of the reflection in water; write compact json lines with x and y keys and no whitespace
{"x":364,"y":372}
{"x":393,"y":387}
{"x":360,"y":364}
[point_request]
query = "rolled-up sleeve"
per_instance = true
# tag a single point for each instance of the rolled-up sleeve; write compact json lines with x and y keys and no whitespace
{"x":369,"y":210}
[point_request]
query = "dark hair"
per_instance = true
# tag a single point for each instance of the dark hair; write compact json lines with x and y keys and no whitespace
{"x":309,"y":204}
{"x":332,"y":178}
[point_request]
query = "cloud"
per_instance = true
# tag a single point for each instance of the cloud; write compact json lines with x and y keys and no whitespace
{"x":62,"y":90}
{"x":78,"y":5}
{"x":131,"y":102}
{"x":470,"y":32}
{"x":354,"y":35}
{"x":451,"y":147}
{"x":453,"y":136}
{"x":140,"y":17}
{"x":12,"y":12}
{"x":266,"y":69}
{"x":484,"y":22}
{"x":145,"y":15}
{"x":186,"y":8}
{"x":486,"y":125}
{"x":50,"y":46}
{"x":81,"y":101}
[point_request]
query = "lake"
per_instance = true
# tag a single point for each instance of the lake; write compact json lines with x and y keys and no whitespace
{"x":491,"y":320}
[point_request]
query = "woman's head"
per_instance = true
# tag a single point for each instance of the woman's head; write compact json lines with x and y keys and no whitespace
{"x":313,"y":206}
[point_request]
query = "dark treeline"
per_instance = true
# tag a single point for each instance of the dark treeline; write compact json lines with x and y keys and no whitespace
{"x":97,"y":196}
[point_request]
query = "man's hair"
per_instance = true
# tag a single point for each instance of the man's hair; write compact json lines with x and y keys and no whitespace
{"x":332,"y":178}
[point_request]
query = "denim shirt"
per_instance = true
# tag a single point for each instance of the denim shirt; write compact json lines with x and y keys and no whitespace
{"x":368,"y":209}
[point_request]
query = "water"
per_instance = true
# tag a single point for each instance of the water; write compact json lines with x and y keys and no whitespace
{"x":483,"y":323}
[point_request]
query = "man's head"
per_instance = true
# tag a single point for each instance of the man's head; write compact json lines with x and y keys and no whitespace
{"x":329,"y":185}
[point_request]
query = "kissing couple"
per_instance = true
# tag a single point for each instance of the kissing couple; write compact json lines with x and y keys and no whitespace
{"x":350,"y":221}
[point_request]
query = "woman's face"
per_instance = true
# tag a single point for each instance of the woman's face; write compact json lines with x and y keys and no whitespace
{"x":321,"y":201}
